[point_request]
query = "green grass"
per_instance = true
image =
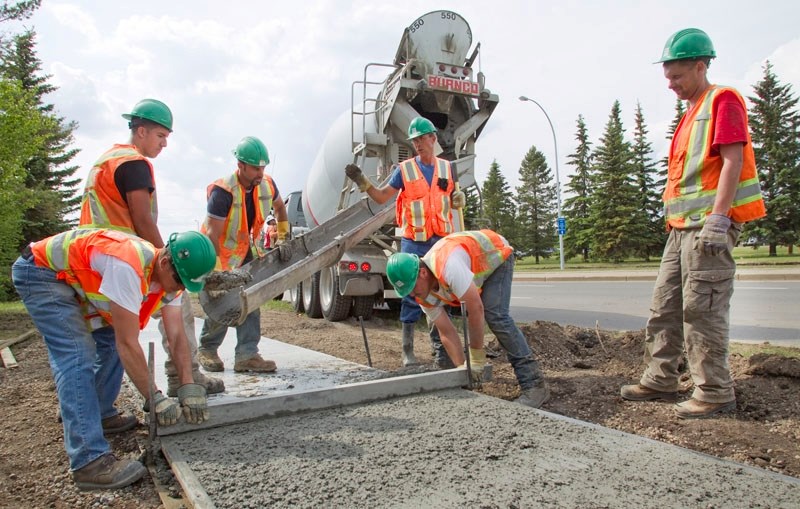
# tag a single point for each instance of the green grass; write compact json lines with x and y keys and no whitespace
{"x":748,"y":350}
{"x":12,"y":307}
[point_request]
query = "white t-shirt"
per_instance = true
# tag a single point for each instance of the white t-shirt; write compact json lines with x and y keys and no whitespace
{"x":121,"y":284}
{"x":458,"y":276}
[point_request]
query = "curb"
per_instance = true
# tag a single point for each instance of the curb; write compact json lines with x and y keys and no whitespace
{"x":551,"y":277}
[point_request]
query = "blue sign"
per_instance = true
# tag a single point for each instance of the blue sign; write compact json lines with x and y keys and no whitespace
{"x":562,"y":225}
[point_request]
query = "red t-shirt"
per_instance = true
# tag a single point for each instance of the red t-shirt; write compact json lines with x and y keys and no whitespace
{"x":730,"y":125}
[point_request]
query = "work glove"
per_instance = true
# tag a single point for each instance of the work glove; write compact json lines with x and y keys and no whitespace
{"x":477,"y":361}
{"x":194,"y":403}
{"x":282,"y":244}
{"x":458,"y":199}
{"x":354,"y":173}
{"x":166,"y":409}
{"x":713,"y":238}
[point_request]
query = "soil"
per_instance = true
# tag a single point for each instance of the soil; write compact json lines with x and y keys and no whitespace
{"x":584,"y":367}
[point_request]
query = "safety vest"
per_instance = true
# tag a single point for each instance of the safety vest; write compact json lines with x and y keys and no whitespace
{"x":235,"y":239}
{"x":423,"y":210}
{"x":486,"y":251}
{"x":68,"y":254}
{"x":102,"y":205}
{"x":693,"y":175}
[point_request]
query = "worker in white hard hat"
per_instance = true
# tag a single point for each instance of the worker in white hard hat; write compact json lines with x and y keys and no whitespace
{"x":270,"y":232}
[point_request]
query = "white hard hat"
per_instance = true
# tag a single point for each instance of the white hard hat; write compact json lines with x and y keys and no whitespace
{"x":270,"y":218}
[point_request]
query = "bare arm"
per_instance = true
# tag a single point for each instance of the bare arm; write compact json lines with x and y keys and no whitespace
{"x":475,"y":319}
{"x":214,"y":229}
{"x":280,"y":210}
{"x":126,"y":331}
{"x":732,"y":157}
{"x":382,"y":194}
{"x":172,"y":318}
{"x":143,"y":223}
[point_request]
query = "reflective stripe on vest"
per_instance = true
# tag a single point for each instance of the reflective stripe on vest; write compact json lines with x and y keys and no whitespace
{"x":422,"y":209}
{"x":68,"y":254}
{"x":486,"y":251}
{"x":236,"y":238}
{"x":102,"y":205}
{"x":692,"y":186}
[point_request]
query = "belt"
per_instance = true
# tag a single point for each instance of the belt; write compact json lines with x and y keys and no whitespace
{"x":27,"y":254}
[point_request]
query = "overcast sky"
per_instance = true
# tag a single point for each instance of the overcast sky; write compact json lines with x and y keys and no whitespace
{"x":282,"y":71}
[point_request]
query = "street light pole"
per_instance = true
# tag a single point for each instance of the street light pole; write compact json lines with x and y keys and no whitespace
{"x":561,"y":224}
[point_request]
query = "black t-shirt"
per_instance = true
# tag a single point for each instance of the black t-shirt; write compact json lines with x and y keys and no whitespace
{"x":132,"y":176}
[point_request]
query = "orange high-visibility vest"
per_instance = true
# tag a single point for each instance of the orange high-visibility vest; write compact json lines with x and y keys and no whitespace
{"x":693,"y":175}
{"x":69,"y":254}
{"x":235,"y":238}
{"x":423,"y":210}
{"x":486,"y":250}
{"x":102,"y":205}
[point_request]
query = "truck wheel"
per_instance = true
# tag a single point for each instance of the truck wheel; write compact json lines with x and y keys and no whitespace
{"x":362,"y":306}
{"x":296,"y":298}
{"x":335,"y":307}
{"x":311,"y":296}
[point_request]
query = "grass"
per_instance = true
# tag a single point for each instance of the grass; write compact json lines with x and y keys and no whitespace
{"x":747,"y":350}
{"x":12,"y":307}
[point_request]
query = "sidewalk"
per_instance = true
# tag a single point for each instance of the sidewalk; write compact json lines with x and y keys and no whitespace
{"x":743,"y":273}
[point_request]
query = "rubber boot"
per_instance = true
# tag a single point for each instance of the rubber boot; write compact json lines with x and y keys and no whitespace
{"x":408,"y":345}
{"x":441,"y":358}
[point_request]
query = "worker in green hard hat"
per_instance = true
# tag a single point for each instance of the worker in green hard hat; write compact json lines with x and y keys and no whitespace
{"x":426,"y":196}
{"x":238,"y":205}
{"x":120,"y":193}
{"x":712,"y":190}
{"x":90,"y":292}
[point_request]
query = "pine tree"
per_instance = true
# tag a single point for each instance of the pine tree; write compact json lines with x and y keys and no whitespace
{"x":774,"y":126}
{"x":49,"y":174}
{"x":18,"y":11}
{"x":615,"y":195}
{"x":680,"y":111}
{"x":498,"y":203}
{"x":536,"y":207}
{"x":577,"y":208}
{"x":472,"y":210}
{"x":648,"y":216}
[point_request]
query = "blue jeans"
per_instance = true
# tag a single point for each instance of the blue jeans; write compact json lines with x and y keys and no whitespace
{"x":248,"y":334}
{"x":85,"y":364}
{"x":496,"y":296}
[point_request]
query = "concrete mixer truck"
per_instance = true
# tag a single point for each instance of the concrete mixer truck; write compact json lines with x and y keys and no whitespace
{"x":341,"y":238}
{"x":432,"y":76}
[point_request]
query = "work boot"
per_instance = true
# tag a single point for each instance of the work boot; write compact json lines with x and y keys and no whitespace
{"x":408,"y":345}
{"x":255,"y":364}
{"x":638,"y":392}
{"x":535,"y":396}
{"x":210,"y":361}
{"x":107,"y":472}
{"x":696,"y":409}
{"x":212,"y":385}
{"x":118,"y":423}
{"x":440,"y":358}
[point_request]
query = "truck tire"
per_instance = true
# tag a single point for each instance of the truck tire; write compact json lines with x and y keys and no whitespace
{"x":335,"y":307}
{"x":296,"y":298}
{"x":311,"y":296}
{"x":362,"y":306}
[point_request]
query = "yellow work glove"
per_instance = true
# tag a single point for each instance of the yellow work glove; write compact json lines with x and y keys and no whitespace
{"x":282,"y":245}
{"x":355,"y":174}
{"x":218,"y":264}
{"x":283,"y":231}
{"x":194,"y":403}
{"x":166,"y":409}
{"x":458,"y":199}
{"x":477,"y":361}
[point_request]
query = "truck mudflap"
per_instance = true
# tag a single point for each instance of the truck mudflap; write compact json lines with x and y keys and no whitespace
{"x":228,"y":299}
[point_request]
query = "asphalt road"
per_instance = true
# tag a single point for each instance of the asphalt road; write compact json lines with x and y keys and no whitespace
{"x":760,"y":310}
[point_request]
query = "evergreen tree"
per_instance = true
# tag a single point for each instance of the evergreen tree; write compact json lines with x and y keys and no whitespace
{"x":577,"y":208}
{"x":536,"y":207}
{"x":498,"y":203}
{"x":774,"y":125}
{"x":680,"y":111}
{"x":19,"y":10}
{"x":49,"y":174}
{"x":648,"y":216}
{"x":472,"y":210}
{"x":615,"y":195}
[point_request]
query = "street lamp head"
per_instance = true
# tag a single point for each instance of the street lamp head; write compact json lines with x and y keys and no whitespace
{"x":523,"y":98}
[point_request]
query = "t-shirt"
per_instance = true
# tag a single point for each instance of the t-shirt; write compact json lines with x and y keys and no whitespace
{"x":121,"y":284}
{"x":730,"y":125}
{"x":396,"y":180}
{"x":132,"y":176}
{"x":457,"y":275}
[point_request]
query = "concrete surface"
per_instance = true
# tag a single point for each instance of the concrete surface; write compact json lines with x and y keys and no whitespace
{"x":458,"y":449}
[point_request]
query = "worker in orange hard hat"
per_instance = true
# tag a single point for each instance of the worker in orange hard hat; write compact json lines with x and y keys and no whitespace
{"x":712,"y":189}
{"x":425,"y":203}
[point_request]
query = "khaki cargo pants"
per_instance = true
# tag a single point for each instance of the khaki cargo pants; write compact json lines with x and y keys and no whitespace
{"x":691,"y":309}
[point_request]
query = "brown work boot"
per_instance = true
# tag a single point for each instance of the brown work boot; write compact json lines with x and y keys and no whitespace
{"x":107,"y":472}
{"x":118,"y":423}
{"x":696,"y":409}
{"x":639,"y":392}
{"x":212,"y":385}
{"x":210,"y":361}
{"x":255,"y":364}
{"x":535,"y":396}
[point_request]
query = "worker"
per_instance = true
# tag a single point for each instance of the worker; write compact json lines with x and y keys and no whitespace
{"x":237,"y":207}
{"x":90,"y":292}
{"x":712,"y":189}
{"x":427,"y":195}
{"x":476,"y":268}
{"x":270,"y":232}
{"x":120,"y":193}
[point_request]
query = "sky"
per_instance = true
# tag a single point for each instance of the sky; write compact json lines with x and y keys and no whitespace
{"x":282,"y":71}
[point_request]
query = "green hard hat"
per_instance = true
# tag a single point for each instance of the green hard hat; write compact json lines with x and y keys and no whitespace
{"x":252,"y":151}
{"x":687,"y":43}
{"x":402,"y":270}
{"x":194,"y":257}
{"x":419,"y":127}
{"x":153,"y":110}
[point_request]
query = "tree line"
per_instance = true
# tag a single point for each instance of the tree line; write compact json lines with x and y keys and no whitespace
{"x":613,"y":205}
